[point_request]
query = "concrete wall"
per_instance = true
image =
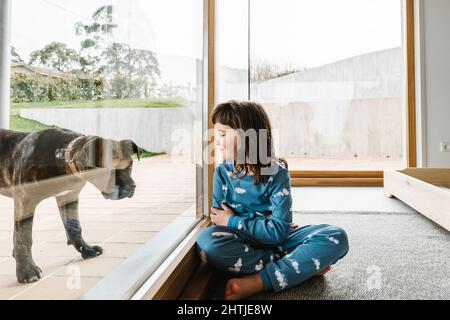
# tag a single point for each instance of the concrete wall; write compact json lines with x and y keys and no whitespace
{"x":359,"y":128}
{"x":351,"y":108}
{"x":433,"y":80}
{"x":233,"y":84}
{"x":370,"y":76}
{"x":154,"y":129}
{"x":340,"y":129}
{"x":345,"y":109}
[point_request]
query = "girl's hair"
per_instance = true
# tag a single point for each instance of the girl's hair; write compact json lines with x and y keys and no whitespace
{"x":243,"y":116}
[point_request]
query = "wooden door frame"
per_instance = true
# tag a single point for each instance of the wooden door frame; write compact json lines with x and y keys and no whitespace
{"x":374,"y":178}
{"x":191,"y":279}
{"x":356,"y":178}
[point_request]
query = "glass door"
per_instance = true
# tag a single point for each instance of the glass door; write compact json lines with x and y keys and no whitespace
{"x":107,"y":117}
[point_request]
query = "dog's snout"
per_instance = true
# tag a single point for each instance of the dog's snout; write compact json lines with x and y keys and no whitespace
{"x":120,"y":192}
{"x":126,"y":191}
{"x":128,"y":187}
{"x":130,"y":190}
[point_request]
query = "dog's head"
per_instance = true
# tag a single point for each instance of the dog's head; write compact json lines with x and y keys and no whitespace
{"x":113,"y":163}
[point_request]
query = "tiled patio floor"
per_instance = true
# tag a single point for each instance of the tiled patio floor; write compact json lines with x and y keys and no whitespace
{"x":165,"y":189}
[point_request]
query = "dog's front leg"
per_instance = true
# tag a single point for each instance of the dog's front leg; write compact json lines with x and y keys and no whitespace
{"x":68,"y":208}
{"x":26,"y":269}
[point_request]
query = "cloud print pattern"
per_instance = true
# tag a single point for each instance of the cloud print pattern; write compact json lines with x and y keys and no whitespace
{"x":258,"y":236}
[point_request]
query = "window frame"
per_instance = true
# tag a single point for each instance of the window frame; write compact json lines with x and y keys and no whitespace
{"x":374,"y":178}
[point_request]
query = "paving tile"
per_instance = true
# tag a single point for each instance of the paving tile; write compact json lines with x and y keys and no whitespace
{"x":54,"y":250}
{"x":132,"y":237}
{"x":90,"y":235}
{"x":96,"y":267}
{"x":10,"y":287}
{"x":6,"y":235}
{"x":119,"y":250}
{"x":47,"y":264}
{"x":122,"y":226}
{"x":47,"y":235}
{"x":6,"y":248}
{"x":58,"y":288}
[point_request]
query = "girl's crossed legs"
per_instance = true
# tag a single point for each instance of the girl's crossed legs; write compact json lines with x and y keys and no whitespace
{"x":308,"y":251}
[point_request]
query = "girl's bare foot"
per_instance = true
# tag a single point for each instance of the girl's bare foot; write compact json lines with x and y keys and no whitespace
{"x":240,"y":288}
{"x":321,"y":273}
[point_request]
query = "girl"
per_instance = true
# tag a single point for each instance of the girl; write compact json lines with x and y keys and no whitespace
{"x":253,"y":236}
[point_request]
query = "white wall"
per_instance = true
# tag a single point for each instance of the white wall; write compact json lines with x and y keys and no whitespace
{"x":154,"y":129}
{"x":433,"y":82}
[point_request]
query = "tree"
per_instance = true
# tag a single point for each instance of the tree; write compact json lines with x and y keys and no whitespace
{"x":264,"y":70}
{"x":132,"y":72}
{"x":127,"y":72}
{"x":15,"y":57}
{"x":56,"y":55}
{"x":96,"y":37}
{"x":143,"y":68}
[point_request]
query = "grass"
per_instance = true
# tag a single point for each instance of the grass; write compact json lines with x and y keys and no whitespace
{"x":148,"y":154}
{"x":118,"y":103}
{"x":18,"y":123}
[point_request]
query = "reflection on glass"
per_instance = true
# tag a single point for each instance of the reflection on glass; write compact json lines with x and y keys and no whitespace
{"x":330,"y":75}
{"x":232,"y":49}
{"x":106,"y":104}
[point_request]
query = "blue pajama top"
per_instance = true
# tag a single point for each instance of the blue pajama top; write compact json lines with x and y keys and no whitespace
{"x":264,"y":211}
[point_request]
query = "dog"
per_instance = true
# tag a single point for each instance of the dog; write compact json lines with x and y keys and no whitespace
{"x":58,"y":163}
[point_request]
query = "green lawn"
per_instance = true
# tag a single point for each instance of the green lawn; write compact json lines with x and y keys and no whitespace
{"x":25,"y":125}
{"x":148,"y":154}
{"x":18,"y":123}
{"x":119,"y":103}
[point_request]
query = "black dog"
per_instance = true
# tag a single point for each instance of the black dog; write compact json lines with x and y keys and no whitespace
{"x":58,"y":163}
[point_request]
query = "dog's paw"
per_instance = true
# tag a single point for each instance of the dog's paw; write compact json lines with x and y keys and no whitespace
{"x":28,"y":273}
{"x":88,"y":252}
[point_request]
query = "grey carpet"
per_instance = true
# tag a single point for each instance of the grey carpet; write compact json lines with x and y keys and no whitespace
{"x":392,"y":256}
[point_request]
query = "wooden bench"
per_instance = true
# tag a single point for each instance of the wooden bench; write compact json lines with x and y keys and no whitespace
{"x":427,"y":190}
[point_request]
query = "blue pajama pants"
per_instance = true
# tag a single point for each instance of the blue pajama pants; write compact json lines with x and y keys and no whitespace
{"x":306,"y":252}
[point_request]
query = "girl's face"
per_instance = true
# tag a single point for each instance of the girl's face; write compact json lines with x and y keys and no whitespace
{"x":226,"y":140}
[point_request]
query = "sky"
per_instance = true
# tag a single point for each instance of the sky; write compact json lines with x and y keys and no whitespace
{"x":171,"y":28}
{"x":306,"y":33}
{"x":300,"y":33}
{"x":167,"y":26}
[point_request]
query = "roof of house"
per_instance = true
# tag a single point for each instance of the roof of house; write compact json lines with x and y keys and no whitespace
{"x":44,"y":71}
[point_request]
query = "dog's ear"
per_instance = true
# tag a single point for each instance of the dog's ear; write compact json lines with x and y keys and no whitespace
{"x":130,"y":145}
{"x":137,"y":151}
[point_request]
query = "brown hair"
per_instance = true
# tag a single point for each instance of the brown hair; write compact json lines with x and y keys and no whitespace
{"x":242,"y":116}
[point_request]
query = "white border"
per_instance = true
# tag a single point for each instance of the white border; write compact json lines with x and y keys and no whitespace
{"x":5,"y":61}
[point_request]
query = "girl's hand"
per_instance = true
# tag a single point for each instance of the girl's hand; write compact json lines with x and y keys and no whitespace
{"x":220,"y":217}
{"x":293,"y":226}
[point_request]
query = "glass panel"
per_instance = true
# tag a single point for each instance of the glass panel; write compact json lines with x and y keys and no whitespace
{"x":330,"y":75}
{"x":232,"y":49}
{"x":128,"y":76}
